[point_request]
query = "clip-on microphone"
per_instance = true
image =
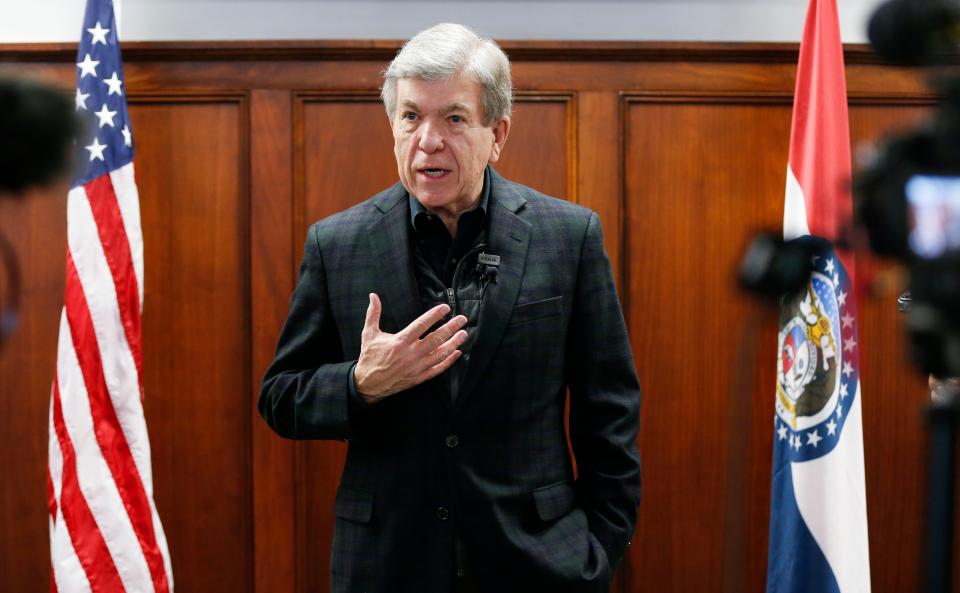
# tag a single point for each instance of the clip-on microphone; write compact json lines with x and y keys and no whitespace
{"x":488,"y":266}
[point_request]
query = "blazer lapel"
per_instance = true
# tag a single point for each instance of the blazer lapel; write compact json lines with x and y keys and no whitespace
{"x":508,"y":236}
{"x":390,"y":249}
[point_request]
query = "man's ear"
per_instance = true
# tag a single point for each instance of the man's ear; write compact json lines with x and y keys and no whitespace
{"x":500,"y":132}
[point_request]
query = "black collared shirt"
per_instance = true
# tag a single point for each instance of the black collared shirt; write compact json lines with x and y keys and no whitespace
{"x":432,"y":238}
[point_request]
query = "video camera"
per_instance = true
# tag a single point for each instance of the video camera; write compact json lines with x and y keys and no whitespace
{"x":907,"y":196}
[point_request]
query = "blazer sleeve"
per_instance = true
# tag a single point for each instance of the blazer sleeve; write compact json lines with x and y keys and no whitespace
{"x":305,"y":391}
{"x":604,"y":401}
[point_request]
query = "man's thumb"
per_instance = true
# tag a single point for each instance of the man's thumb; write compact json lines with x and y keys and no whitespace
{"x":373,"y":313}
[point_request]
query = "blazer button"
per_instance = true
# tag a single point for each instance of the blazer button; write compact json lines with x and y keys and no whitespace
{"x":452,"y":440}
{"x":442,"y":513}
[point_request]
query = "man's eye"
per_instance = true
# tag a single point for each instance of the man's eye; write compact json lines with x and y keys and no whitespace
{"x":456,"y":119}
{"x":410,"y":116}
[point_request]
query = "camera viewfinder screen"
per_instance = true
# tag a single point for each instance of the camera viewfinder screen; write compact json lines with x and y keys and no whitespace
{"x":934,"y":211}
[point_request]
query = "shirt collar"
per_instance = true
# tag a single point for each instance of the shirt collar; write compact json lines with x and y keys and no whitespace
{"x":416,"y":208}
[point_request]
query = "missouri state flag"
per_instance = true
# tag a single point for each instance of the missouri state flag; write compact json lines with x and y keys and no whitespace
{"x":818,"y":515}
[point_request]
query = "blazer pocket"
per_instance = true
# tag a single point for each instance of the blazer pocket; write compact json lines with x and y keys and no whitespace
{"x":354,"y":505}
{"x":537,"y":310}
{"x":554,"y":501}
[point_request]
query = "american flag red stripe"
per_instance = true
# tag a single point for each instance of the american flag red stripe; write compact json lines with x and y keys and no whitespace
{"x":105,"y":533}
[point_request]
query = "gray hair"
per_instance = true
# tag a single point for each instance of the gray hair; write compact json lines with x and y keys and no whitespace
{"x":444,"y":51}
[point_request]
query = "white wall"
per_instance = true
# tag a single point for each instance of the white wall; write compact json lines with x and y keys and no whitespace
{"x":706,"y":20}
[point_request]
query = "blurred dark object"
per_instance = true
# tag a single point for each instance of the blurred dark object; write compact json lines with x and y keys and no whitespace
{"x":916,"y":31}
{"x":908,"y":199}
{"x":882,"y":203}
{"x":9,"y":290}
{"x":907,"y":195}
{"x":773,"y":267}
{"x":37,"y":125}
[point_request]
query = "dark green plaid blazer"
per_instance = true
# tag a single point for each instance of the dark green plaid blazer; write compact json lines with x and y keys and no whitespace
{"x":499,"y":500}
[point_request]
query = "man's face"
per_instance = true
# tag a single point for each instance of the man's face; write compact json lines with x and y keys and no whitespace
{"x":441,"y":143}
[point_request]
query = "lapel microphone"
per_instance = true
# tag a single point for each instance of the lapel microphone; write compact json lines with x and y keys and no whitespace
{"x":488,"y":266}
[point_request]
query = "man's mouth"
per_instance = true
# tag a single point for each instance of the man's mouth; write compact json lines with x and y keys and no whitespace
{"x":433,"y":172}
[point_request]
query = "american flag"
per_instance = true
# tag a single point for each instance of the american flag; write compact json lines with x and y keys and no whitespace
{"x":105,"y":534}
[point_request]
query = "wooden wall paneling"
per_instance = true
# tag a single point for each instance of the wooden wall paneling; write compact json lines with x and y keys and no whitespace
{"x":193,"y":179}
{"x":275,"y":251}
{"x":701,"y":174}
{"x":542,"y":146}
{"x":344,"y":153}
{"x":599,"y":170}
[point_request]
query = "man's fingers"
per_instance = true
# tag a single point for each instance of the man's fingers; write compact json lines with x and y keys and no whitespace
{"x":440,"y":354}
{"x":443,"y":333}
{"x":421,"y":324}
{"x":436,"y":369}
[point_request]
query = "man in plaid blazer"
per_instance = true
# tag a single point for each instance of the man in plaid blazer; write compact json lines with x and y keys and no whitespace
{"x":458,"y":476}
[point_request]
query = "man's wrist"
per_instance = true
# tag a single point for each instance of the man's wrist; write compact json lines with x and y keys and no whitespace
{"x":355,"y":394}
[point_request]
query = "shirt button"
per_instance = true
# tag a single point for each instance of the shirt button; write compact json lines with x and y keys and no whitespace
{"x":453,"y":260}
{"x":460,"y":573}
{"x":443,"y":513}
{"x":452,"y":440}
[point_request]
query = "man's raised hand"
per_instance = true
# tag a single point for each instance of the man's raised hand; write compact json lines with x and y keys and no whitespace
{"x":390,"y":363}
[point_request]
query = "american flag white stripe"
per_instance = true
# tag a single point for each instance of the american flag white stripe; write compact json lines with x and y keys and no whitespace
{"x":68,"y":575}
{"x":128,"y":198}
{"x":93,"y":474}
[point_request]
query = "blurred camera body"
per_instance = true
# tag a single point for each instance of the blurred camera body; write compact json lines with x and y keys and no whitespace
{"x":908,"y":195}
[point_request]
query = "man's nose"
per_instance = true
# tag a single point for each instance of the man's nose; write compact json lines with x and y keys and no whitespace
{"x":431,"y":140}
